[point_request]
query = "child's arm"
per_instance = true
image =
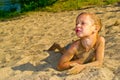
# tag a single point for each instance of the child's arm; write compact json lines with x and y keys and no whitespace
{"x":65,"y":60}
{"x":99,"y":54}
{"x":99,"y":59}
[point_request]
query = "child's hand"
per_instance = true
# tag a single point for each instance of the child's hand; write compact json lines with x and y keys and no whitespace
{"x":76,"y":68}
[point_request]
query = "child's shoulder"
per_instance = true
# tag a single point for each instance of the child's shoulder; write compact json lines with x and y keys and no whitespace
{"x":77,"y":43}
{"x":101,"y":39}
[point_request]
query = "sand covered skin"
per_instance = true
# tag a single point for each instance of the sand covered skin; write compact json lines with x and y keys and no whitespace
{"x":23,"y":40}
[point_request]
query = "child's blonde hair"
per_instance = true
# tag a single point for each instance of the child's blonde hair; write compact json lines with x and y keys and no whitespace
{"x":97,"y":20}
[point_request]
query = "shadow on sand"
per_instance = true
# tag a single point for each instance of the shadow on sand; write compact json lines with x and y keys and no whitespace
{"x":49,"y":62}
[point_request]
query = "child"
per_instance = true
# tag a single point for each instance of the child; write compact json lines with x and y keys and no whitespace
{"x":86,"y":51}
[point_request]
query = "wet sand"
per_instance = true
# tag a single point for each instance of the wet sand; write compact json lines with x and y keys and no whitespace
{"x":23,"y":39}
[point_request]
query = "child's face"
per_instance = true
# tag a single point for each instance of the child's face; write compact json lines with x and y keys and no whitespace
{"x":84,"y":26}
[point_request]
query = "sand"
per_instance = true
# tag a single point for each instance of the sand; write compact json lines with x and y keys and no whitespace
{"x":23,"y":39}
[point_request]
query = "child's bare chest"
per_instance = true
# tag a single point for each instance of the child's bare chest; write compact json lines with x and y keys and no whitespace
{"x":84,"y":56}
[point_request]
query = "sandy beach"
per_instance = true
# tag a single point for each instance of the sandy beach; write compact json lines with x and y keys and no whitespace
{"x":24,"y":39}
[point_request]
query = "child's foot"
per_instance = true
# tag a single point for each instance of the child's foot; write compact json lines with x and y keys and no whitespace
{"x":53,"y":47}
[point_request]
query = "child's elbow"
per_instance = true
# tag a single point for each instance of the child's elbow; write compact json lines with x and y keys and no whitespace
{"x":60,"y":67}
{"x":100,"y":63}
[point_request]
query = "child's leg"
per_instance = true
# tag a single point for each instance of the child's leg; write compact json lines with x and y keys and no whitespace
{"x":57,"y":46}
{"x":53,"y":47}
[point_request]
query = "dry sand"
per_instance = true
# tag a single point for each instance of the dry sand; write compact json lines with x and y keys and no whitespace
{"x":23,"y":39}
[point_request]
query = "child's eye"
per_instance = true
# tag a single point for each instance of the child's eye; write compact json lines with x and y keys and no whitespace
{"x":77,"y":23}
{"x":82,"y":23}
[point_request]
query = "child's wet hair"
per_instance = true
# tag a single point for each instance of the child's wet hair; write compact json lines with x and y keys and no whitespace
{"x":97,"y":20}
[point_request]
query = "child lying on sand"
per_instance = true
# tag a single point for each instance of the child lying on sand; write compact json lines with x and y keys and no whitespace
{"x":86,"y":51}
